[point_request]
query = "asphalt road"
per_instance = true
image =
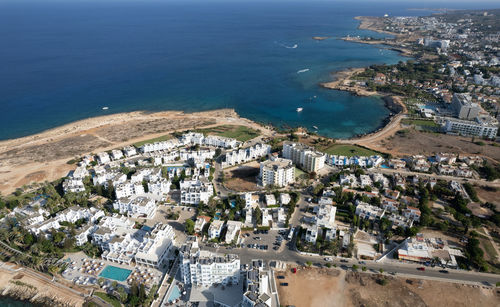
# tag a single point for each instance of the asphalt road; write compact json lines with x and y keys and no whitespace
{"x":287,"y":255}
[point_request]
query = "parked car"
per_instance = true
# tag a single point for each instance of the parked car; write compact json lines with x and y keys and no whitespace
{"x":280,"y":277}
{"x":421,"y":268}
{"x":284,"y":284}
{"x":444,"y":271}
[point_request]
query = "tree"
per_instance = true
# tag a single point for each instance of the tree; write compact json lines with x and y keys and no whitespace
{"x":309,"y":263}
{"x":355,"y":267}
{"x":189,"y":226}
{"x":257,"y":216}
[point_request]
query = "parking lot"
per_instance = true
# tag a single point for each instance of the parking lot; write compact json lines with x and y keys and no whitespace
{"x":264,"y":240}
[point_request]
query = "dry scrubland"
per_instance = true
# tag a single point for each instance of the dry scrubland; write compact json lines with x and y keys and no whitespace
{"x":412,"y":142}
{"x":332,"y":287}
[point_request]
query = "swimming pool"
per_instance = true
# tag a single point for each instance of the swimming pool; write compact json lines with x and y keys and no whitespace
{"x":115,"y":273}
{"x":175,"y":294}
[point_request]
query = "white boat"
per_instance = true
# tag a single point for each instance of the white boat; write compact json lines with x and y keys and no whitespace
{"x":299,"y":109}
{"x":303,"y":70}
{"x":315,"y":127}
{"x":105,"y":108}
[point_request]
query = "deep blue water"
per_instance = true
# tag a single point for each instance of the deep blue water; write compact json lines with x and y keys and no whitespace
{"x":62,"y":61}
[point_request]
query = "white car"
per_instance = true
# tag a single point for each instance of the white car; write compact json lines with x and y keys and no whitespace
{"x":329,"y":259}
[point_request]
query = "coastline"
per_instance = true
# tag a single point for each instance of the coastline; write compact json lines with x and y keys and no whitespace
{"x":32,"y":288}
{"x":44,"y":156}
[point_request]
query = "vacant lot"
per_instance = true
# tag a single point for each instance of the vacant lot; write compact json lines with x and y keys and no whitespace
{"x":242,"y":178}
{"x":348,"y":150}
{"x":412,"y":142}
{"x":240,"y":133}
{"x":332,"y":287}
{"x":488,"y":194}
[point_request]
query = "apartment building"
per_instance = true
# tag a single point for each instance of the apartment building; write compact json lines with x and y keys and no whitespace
{"x":195,"y":191}
{"x":203,"y":268}
{"x":278,"y":172}
{"x":215,"y":229}
{"x":139,"y":206}
{"x":305,"y":157}
{"x":259,"y":286}
{"x":485,"y":126}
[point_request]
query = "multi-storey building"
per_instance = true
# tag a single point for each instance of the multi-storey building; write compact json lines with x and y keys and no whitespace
{"x":278,"y":172}
{"x":203,"y":268}
{"x":304,"y":156}
{"x":195,"y":191}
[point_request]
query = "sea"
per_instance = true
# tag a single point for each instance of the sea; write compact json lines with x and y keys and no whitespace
{"x":62,"y":61}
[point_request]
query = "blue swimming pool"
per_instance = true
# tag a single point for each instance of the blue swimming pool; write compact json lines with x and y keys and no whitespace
{"x":115,"y":273}
{"x":175,"y":294}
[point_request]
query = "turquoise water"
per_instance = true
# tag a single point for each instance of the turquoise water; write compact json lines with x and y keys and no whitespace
{"x":65,"y":60}
{"x":175,"y":294}
{"x":9,"y":302}
{"x":115,"y":273}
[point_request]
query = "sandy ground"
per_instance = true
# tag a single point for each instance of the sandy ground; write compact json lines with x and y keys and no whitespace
{"x":416,"y":142}
{"x":43,"y":156}
{"x":331,"y":287}
{"x":489,"y":195}
{"x":43,"y":287}
{"x":242,"y":178}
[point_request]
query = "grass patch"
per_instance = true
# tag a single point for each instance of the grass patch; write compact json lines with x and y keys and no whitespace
{"x":154,"y":140}
{"x":489,"y":249}
{"x":420,"y":122}
{"x":348,"y":150}
{"x":299,"y":174}
{"x":107,"y":298}
{"x":240,"y":133}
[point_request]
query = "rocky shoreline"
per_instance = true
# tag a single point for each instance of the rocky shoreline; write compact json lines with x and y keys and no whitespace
{"x":31,"y":296}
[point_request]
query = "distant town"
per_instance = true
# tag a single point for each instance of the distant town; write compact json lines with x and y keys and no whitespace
{"x":229,"y":216}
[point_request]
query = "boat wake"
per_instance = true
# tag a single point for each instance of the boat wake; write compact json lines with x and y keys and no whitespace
{"x":294,"y":46}
{"x":302,"y":70}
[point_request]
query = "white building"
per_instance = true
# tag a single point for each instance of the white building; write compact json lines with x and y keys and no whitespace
{"x":259,"y":287}
{"x":278,"y":172}
{"x":116,"y":154}
{"x":195,"y":191}
{"x":203,"y":268}
{"x":128,"y":188}
{"x":244,"y":155}
{"x":484,"y":126}
{"x":232,"y":229}
{"x":123,"y":244}
{"x":215,"y":229}
{"x":219,"y":141}
{"x":140,"y":206}
{"x":73,"y":185}
{"x":103,"y":158}
{"x":304,"y":156}
{"x":160,"y":187}
{"x":270,"y":200}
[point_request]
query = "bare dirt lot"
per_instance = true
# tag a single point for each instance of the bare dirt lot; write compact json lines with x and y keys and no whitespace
{"x":242,"y":178}
{"x":488,"y":194}
{"x":413,"y":142}
{"x":332,"y":287}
